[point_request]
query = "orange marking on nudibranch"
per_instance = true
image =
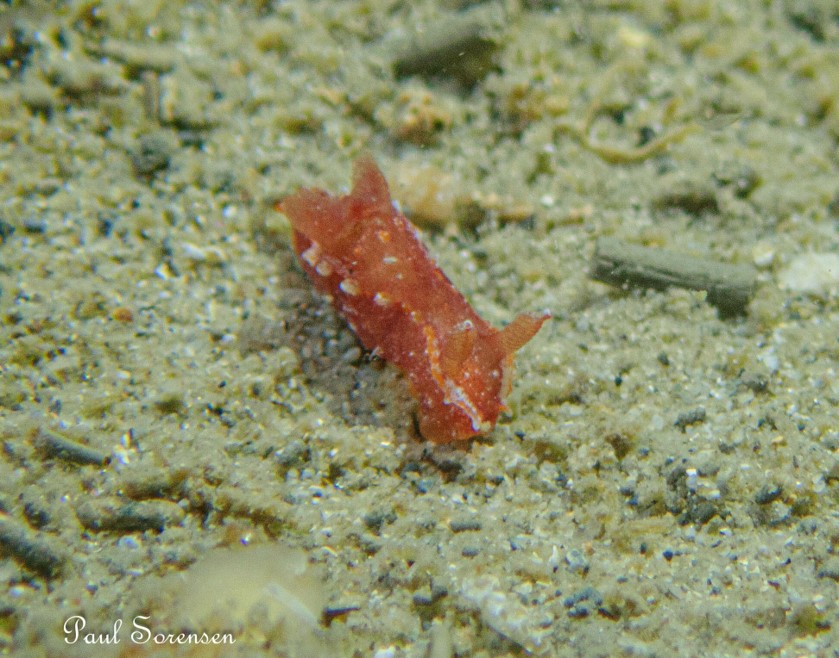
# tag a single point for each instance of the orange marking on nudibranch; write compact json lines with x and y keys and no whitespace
{"x":368,"y":258}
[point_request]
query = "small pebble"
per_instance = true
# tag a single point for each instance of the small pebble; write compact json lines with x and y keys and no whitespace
{"x":113,"y":514}
{"x":689,"y":418}
{"x":128,"y":542}
{"x":812,"y":273}
{"x":580,"y":603}
{"x":30,"y":548}
{"x":6,"y":231}
{"x":768,"y":494}
{"x":763,"y":254}
{"x":54,"y":445}
{"x":464,"y":525}
{"x":576,"y":561}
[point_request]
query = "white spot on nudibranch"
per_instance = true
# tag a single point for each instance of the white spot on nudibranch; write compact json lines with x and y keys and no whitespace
{"x":349,"y":286}
{"x":390,"y":260}
{"x":323,"y":268}
{"x":312,"y":255}
{"x":380,"y":299}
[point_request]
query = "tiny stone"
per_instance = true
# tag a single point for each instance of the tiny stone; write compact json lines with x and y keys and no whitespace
{"x":768,"y":494}
{"x":763,"y":254}
{"x":812,"y":273}
{"x":114,"y":515}
{"x":577,"y":562}
{"x":6,"y":230}
{"x":423,"y":597}
{"x":375,"y":520}
{"x":832,"y":474}
{"x":154,"y":153}
{"x":690,"y":418}
{"x":34,"y":226}
{"x":424,"y":485}
{"x":464,"y":525}
{"x":830,"y":569}
{"x":578,"y":603}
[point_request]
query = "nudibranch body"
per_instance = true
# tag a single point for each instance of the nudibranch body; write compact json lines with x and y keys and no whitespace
{"x":363,"y":253}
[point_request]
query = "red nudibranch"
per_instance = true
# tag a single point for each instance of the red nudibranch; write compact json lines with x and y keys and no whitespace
{"x":359,"y":250}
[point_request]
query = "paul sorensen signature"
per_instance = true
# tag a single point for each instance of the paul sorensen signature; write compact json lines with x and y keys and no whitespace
{"x":74,"y":632}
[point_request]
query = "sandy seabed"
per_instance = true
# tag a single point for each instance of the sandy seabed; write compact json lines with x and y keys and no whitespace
{"x":198,"y":457}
